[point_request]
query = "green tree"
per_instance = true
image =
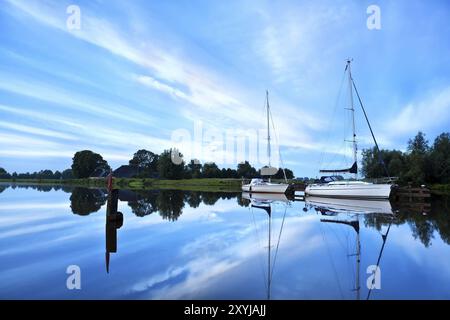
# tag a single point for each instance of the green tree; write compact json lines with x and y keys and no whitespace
{"x":245,"y":170}
{"x":440,"y":158}
{"x":417,"y":160}
{"x":194,"y":169}
{"x":86,"y":162}
{"x":67,"y":174}
{"x":280,"y":174}
{"x":170,"y":165}
{"x":210,"y":170}
{"x":146,"y":161}
{"x":57,"y":175}
{"x":4,"y":174}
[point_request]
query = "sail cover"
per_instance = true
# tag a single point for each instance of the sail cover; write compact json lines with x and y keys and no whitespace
{"x":352,"y":169}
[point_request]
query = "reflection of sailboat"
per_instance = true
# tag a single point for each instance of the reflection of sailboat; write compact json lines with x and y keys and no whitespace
{"x":265,"y":202}
{"x":348,"y":212}
{"x":114,"y":220}
{"x":337,"y":205}
{"x":266,"y":197}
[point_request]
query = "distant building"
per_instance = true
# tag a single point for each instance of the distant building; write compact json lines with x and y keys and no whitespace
{"x":126,"y":171}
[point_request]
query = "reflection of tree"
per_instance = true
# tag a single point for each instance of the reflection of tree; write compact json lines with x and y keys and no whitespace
{"x":210,"y":198}
{"x":43,"y":188}
{"x":3,"y":188}
{"x":440,"y":210}
{"x":170,"y":204}
{"x":145,"y":205}
{"x":422,"y":226}
{"x":242,"y":201}
{"x":193,"y":199}
{"x":84,"y":201}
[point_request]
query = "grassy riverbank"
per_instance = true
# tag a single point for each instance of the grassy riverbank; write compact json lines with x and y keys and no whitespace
{"x":212,"y":184}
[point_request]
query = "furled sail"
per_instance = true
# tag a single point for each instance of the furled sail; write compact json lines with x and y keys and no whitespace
{"x":352,"y":169}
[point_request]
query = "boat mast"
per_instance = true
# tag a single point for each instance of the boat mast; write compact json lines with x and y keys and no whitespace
{"x":352,"y":109}
{"x":268,"y":127}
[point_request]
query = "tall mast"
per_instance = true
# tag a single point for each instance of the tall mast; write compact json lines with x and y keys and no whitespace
{"x":268,"y":127}
{"x":352,"y":109}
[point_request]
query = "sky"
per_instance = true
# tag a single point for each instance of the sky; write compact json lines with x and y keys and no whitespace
{"x":194,"y":74}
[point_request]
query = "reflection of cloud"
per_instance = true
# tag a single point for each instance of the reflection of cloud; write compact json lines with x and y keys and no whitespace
{"x":36,"y":229}
{"x":213,"y":255}
{"x":29,"y":206}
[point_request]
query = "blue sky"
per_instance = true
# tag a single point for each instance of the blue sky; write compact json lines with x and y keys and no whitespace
{"x":138,"y":71}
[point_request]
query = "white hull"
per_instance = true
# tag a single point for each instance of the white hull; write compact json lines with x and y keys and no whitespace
{"x":265,"y":188}
{"x":350,"y":205}
{"x":349,"y":189}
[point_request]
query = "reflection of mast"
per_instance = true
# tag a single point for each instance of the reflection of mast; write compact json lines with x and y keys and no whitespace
{"x":114,"y":220}
{"x":355,"y":225}
{"x":384,"y":237}
{"x":266,"y":206}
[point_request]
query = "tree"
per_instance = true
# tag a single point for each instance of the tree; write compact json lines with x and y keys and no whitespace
{"x":210,"y":170}
{"x":4,"y":174}
{"x":194,"y":169}
{"x":372,"y":163}
{"x":146,"y":161}
{"x":86,"y":162}
{"x":168,"y":167}
{"x":245,"y":170}
{"x":67,"y":174}
{"x":57,"y":175}
{"x":280,"y":174}
{"x":417,"y":160}
{"x":440,"y":159}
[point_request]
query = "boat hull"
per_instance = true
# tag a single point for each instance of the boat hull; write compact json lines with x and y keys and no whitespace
{"x":350,"y":191}
{"x":265,"y":188}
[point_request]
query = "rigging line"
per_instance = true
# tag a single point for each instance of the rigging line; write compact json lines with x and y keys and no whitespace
{"x":278,"y":243}
{"x":379,"y":256}
{"x":332,"y":117}
{"x":278,"y":144}
{"x":371,"y":131}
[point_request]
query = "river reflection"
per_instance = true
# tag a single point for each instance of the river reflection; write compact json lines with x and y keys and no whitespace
{"x":187,"y":245}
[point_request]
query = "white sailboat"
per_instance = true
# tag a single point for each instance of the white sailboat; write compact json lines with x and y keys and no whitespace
{"x":335,"y":186}
{"x":261,"y":185}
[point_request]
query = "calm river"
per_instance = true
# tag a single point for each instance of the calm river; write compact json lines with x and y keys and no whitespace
{"x":57,"y":243}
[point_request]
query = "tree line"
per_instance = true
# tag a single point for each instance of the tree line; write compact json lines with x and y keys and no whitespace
{"x":421,"y":163}
{"x":146,"y":164}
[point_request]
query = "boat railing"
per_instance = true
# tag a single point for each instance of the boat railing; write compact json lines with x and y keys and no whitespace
{"x":382,"y":180}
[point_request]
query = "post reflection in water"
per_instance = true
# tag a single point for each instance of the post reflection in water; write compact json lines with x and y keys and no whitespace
{"x":114,"y":220}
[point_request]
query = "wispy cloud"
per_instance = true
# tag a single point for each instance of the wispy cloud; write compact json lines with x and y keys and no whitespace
{"x":431,"y":111}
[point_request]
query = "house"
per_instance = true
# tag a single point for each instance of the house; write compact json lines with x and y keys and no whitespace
{"x":126,"y":171}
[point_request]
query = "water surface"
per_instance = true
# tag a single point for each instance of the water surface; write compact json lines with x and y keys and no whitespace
{"x":198,"y":245}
